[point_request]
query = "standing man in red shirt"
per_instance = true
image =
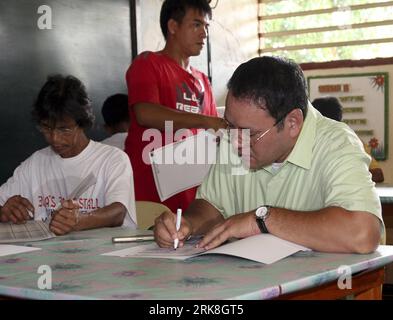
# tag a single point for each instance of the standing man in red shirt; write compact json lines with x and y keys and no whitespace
{"x":162,"y":86}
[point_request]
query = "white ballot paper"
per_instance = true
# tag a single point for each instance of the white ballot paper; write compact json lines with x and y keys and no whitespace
{"x":184,"y":164}
{"x":264,"y":248}
{"x":32,"y":230}
{"x":7,"y":249}
{"x":83,"y":186}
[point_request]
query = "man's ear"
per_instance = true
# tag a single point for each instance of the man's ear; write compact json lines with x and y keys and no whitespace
{"x":172,"y":26}
{"x":294,"y":122}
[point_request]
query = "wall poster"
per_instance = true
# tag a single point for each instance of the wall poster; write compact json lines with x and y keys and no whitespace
{"x":364,"y":98}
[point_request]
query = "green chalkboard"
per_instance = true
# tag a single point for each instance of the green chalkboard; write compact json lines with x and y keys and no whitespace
{"x":88,"y":39}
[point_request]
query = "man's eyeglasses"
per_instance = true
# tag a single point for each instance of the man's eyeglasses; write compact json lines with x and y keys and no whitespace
{"x":255,"y":137}
{"x":64,"y":132}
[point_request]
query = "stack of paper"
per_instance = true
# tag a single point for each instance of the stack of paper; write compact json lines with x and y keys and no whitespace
{"x":29,"y":231}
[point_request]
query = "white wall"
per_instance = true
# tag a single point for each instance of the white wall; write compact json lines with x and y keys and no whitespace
{"x":233,"y":32}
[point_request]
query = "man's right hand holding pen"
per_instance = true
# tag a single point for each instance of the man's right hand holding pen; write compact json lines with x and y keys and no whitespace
{"x":66,"y":219}
{"x":165,"y":232}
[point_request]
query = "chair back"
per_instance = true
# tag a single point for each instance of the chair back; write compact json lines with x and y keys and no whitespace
{"x":147,"y":212}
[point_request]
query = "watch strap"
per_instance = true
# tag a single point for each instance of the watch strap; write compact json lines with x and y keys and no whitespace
{"x":262,"y":226}
{"x":261,"y":221}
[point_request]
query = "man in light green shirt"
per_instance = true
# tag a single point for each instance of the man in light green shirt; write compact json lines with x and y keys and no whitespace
{"x":307,"y":179}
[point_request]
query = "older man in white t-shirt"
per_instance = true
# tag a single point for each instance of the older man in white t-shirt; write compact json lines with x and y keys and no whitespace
{"x":41,"y":186}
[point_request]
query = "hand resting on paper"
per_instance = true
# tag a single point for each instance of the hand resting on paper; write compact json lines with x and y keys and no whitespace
{"x":66,"y":219}
{"x":238,"y":226}
{"x":16,"y":210}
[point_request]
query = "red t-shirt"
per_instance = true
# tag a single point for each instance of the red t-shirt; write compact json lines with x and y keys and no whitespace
{"x":158,"y":79}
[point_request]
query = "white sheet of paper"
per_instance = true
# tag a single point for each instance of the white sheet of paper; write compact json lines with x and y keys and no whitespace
{"x":182,"y":165}
{"x":8,"y":249}
{"x":32,"y":230}
{"x":83,"y":186}
{"x":152,"y":250}
{"x":264,"y":248}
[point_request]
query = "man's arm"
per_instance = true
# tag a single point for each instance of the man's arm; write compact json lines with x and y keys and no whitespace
{"x":331,"y":229}
{"x":68,"y":218}
{"x":202,"y":216}
{"x":198,"y":219}
{"x":16,"y":210}
{"x":154,"y":116}
{"x":108,"y":216}
{"x":377,"y":175}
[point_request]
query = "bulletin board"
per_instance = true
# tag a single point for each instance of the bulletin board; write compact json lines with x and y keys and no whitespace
{"x":365,"y":101}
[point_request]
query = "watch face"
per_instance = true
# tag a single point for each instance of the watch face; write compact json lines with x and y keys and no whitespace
{"x":261,"y":211}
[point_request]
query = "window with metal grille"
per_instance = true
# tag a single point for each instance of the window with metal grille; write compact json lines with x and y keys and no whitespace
{"x":325,"y":30}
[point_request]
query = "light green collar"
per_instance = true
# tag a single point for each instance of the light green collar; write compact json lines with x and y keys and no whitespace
{"x":301,"y":154}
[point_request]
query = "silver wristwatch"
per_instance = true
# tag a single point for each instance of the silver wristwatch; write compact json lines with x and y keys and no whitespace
{"x":261,"y":214}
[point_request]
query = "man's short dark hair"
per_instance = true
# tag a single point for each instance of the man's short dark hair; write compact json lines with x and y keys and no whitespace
{"x":329,"y":107}
{"x":115,"y":109}
{"x":63,"y":96}
{"x":176,"y":10}
{"x":272,"y":82}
